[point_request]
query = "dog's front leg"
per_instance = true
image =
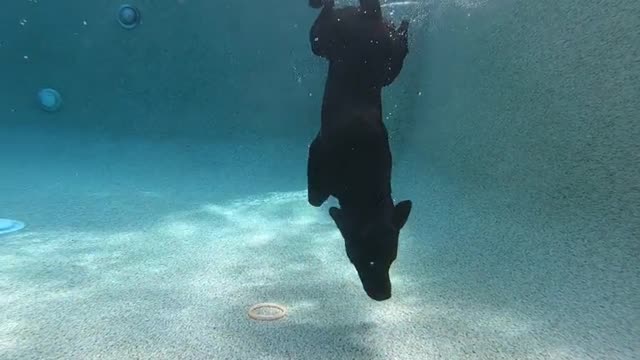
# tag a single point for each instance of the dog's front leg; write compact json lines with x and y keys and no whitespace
{"x":317,"y":192}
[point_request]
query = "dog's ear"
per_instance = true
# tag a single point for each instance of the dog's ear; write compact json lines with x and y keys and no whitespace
{"x":336,"y":215}
{"x":401,"y":214}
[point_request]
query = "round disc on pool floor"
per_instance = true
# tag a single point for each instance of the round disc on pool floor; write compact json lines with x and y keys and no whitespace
{"x":8,"y":226}
{"x":267,"y":312}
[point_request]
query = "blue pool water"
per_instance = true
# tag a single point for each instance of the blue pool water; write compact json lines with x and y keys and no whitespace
{"x":167,"y":195}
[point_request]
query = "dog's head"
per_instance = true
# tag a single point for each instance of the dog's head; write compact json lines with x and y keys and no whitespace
{"x":372,"y":245}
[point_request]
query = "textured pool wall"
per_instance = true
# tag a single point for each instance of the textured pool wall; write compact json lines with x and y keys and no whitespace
{"x":540,"y":98}
{"x":534,"y":107}
{"x":209,"y":69}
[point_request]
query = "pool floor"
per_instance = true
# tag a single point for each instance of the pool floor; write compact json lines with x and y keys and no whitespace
{"x":157,"y":250}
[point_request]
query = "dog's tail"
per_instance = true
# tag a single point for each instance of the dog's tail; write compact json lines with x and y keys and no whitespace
{"x":316,"y":4}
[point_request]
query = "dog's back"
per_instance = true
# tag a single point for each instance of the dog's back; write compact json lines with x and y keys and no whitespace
{"x":361,"y":160}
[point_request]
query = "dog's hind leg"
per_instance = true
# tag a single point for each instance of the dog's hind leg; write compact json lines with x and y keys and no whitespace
{"x":321,"y":34}
{"x":317,"y":192}
{"x":371,"y":8}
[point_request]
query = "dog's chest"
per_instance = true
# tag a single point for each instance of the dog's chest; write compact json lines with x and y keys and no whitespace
{"x":360,"y":167}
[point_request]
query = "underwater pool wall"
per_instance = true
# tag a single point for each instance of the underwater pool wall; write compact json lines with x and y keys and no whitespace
{"x":531,"y":113}
{"x":538,"y":98}
{"x":195,"y":69}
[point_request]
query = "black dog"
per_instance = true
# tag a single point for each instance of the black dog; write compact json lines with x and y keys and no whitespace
{"x":350,"y":157}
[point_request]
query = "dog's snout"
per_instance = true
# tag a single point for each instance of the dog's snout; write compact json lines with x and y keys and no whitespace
{"x":379,"y":295}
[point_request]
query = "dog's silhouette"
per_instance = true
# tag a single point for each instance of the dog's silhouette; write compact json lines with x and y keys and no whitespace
{"x":350,"y":158}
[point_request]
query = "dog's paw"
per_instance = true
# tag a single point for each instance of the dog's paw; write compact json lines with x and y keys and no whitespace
{"x":316,"y":199}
